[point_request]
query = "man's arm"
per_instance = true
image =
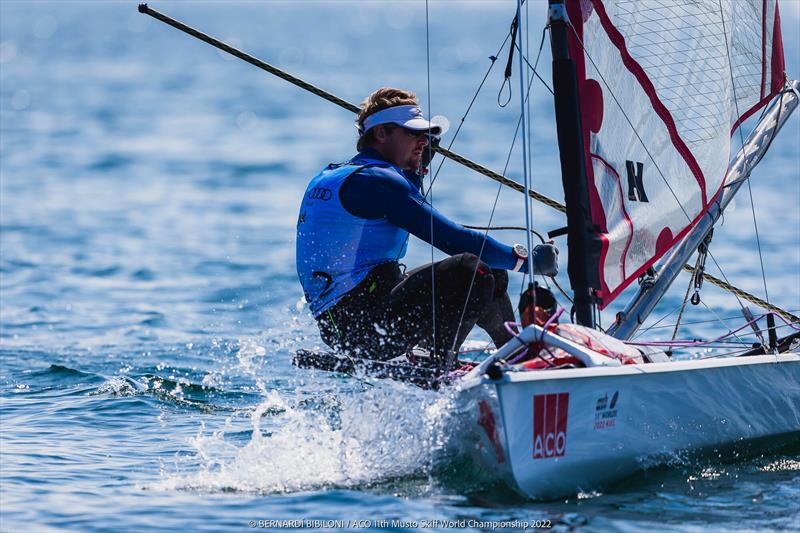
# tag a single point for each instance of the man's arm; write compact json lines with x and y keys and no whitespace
{"x":378,"y":192}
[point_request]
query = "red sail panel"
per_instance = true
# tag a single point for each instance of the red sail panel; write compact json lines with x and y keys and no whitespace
{"x":662,"y":87}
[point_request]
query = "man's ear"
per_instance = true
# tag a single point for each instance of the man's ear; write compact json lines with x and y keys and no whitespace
{"x":379,"y":132}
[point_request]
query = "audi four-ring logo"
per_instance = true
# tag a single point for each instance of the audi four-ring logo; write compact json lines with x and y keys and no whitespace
{"x":318,"y":193}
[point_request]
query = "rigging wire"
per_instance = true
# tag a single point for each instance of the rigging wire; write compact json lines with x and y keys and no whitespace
{"x":491,"y":216}
{"x":719,"y":318}
{"x":708,"y":321}
{"x":525,"y":173}
{"x":718,"y":340}
{"x":655,"y":324}
{"x":493,"y":60}
{"x":741,"y":138}
{"x":689,"y":286}
{"x":500,"y":228}
{"x":533,"y":69}
{"x":743,"y":343}
{"x":696,"y":280}
{"x":430,"y":187}
{"x":452,"y":141}
{"x":527,"y":104}
{"x":562,"y":291}
{"x":535,"y":73}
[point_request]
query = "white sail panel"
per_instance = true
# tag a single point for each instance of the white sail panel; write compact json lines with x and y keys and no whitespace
{"x":662,"y":85}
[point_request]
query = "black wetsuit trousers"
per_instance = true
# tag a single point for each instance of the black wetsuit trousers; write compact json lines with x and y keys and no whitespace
{"x":388,"y":313}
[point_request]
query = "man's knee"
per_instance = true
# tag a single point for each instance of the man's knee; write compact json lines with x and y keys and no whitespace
{"x":467,"y":268}
{"x":469,"y":263}
{"x":500,"y":281}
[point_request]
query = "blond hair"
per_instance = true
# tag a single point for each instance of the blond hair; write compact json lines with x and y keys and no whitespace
{"x":383,"y":98}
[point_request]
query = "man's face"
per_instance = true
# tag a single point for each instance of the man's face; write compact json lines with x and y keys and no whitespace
{"x":400,"y":146}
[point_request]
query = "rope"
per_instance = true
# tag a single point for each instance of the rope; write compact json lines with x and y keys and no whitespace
{"x":500,"y":178}
{"x":562,"y":291}
{"x":507,"y":74}
{"x":143,"y":8}
{"x":683,"y":306}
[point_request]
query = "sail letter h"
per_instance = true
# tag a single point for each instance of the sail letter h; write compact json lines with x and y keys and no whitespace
{"x":635,"y":184}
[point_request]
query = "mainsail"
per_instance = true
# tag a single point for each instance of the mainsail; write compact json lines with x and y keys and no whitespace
{"x":662,"y":86}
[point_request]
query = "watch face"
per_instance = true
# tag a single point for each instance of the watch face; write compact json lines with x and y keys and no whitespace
{"x":520,"y":251}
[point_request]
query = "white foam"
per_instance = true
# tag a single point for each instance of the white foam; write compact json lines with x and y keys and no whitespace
{"x":385,"y":431}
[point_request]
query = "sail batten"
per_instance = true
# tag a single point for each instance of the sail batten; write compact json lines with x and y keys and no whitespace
{"x":662,"y":87}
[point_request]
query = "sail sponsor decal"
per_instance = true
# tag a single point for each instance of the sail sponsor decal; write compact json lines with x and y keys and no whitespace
{"x":606,"y":410}
{"x":488,"y":422}
{"x":550,"y":425}
{"x":320,"y":193}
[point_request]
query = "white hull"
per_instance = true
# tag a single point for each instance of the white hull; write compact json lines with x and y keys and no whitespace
{"x":527,"y":439}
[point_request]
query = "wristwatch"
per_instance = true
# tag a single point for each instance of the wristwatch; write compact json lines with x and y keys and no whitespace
{"x":521,"y":253}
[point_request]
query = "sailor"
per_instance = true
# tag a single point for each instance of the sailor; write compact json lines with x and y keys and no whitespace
{"x":353,"y":228}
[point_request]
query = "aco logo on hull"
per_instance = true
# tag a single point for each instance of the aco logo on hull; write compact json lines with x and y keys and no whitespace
{"x":550,"y":425}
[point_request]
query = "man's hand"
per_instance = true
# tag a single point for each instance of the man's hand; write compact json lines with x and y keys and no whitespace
{"x":545,"y":259}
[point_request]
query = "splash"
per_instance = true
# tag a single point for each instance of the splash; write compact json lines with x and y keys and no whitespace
{"x":117,"y":386}
{"x":354,"y":439}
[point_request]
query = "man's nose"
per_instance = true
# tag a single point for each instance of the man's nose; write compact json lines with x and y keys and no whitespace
{"x":423,"y":140}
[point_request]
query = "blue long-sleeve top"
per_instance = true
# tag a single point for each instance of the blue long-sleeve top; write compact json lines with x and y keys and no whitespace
{"x":377,"y":192}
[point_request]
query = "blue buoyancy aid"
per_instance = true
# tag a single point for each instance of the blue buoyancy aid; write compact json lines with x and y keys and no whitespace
{"x":335,"y":249}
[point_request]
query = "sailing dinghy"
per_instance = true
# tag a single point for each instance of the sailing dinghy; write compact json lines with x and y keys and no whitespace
{"x":648,"y":95}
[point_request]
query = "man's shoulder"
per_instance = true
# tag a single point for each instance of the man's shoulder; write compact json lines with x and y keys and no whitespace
{"x":381,"y":173}
{"x":368,"y":163}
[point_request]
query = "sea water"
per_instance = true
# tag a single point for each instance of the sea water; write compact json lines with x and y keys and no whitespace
{"x":149,"y":188}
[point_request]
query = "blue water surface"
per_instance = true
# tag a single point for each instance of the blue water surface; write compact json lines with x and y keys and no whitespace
{"x":149,"y":188}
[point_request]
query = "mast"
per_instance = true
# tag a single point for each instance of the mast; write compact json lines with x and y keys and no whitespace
{"x":573,"y":163}
{"x":739,"y":171}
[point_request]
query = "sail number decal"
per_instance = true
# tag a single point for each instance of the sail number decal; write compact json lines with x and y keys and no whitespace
{"x":635,"y":183}
{"x":550,"y":425}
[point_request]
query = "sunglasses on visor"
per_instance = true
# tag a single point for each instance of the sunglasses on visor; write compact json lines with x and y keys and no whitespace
{"x":414,"y":134}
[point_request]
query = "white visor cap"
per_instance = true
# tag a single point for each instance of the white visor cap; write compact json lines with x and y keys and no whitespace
{"x":407,"y":116}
